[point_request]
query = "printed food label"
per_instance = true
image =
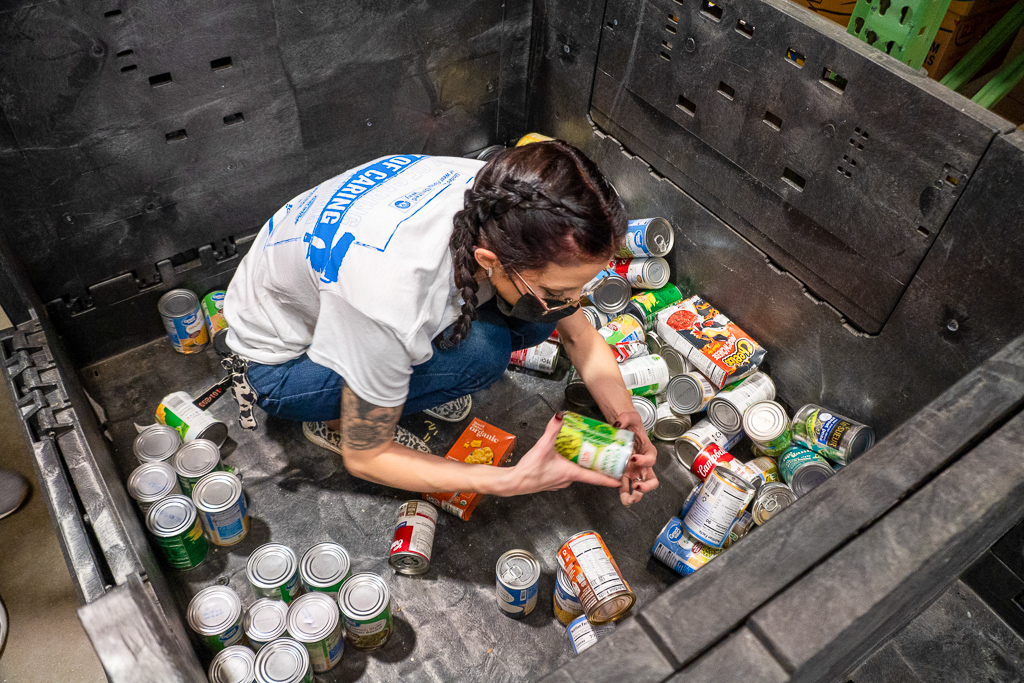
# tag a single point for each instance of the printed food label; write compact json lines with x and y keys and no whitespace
{"x":593,"y":560}
{"x":715,"y":511}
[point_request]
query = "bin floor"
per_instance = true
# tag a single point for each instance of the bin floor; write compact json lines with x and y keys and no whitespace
{"x":448,"y":626}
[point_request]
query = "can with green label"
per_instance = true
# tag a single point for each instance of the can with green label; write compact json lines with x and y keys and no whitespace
{"x":644,"y":306}
{"x":594,"y":445}
{"x":365,"y":603}
{"x":215,"y":614}
{"x":835,"y":437}
{"x":174,"y":523}
{"x":213,"y":310}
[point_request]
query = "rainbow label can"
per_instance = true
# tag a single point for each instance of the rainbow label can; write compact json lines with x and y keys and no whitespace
{"x":213,"y":311}
{"x":680,"y":551}
{"x":178,"y":411}
{"x":184,"y":322}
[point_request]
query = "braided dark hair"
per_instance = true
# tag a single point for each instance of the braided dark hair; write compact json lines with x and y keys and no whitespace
{"x":531,"y":206}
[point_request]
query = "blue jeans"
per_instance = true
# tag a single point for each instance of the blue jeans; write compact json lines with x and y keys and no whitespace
{"x":300,"y":389}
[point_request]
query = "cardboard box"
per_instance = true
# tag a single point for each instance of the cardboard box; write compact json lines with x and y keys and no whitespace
{"x":838,"y":11}
{"x":958,"y":34}
{"x":480,"y":444}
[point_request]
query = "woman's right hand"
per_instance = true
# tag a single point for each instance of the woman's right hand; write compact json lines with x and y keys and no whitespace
{"x":543,"y":469}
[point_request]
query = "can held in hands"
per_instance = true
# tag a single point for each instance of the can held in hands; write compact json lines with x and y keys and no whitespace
{"x":191,"y":422}
{"x":283,"y":661}
{"x":608,"y":291}
{"x":642,"y":273}
{"x":264,"y":621}
{"x":193,"y":461}
{"x":314,"y":621}
{"x":213,"y":311}
{"x":273,"y":572}
{"x":668,"y":425}
{"x":151,"y":482}
{"x":767,"y":425}
{"x":699,"y":437}
{"x":645,"y":305}
{"x":517,"y":576}
{"x":647,"y":237}
{"x":722,"y":498}
{"x":414,"y":538}
{"x":680,"y":551}
{"x":156,"y":443}
{"x":174,"y":523}
{"x":185,"y":325}
{"x":566,"y":604}
{"x":645,"y":375}
{"x":215,"y":614}
{"x":771,"y":499}
{"x":542,"y":358}
{"x":726,"y":409}
{"x":221,"y":503}
{"x":590,"y":567}
{"x":583,"y":634}
{"x":234,"y":664}
{"x":365,"y":602}
{"x":803,"y":470}
{"x":594,"y":445}
{"x":835,"y":437}
{"x":690,"y":393}
{"x":324,"y":567}
{"x":648,"y":413}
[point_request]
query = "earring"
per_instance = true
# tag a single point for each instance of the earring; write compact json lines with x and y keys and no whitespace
{"x":490,"y":272}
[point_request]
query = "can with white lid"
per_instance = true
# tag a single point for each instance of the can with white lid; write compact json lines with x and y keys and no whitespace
{"x":727,"y":408}
{"x":215,"y":614}
{"x":771,"y":499}
{"x":767,"y":425}
{"x":283,"y":661}
{"x":273,"y":572}
{"x":314,"y":621}
{"x":264,"y":621}
{"x":174,"y":523}
{"x":150,"y":482}
{"x":156,"y":443}
{"x":324,"y":567}
{"x":193,"y":461}
{"x":233,"y":664}
{"x":365,"y":603}
{"x":221,"y":503}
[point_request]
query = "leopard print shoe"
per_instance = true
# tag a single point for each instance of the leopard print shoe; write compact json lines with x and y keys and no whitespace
{"x":325,"y":437}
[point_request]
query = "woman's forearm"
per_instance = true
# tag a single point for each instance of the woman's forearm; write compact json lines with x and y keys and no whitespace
{"x":405,"y":468}
{"x":596,"y":365}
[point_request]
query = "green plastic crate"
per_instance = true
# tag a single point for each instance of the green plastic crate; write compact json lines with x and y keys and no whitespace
{"x":904,"y":29}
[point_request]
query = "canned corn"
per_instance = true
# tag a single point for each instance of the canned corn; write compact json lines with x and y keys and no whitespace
{"x":156,"y":443}
{"x":213,"y":311}
{"x":771,"y":499}
{"x":726,"y":409}
{"x":234,"y":664}
{"x":273,"y":572}
{"x":590,"y":567}
{"x":215,"y":614}
{"x":283,"y":661}
{"x":324,"y":567}
{"x":314,"y":621}
{"x":594,"y":445}
{"x":150,"y":482}
{"x":175,"y":525}
{"x":722,"y":497}
{"x":517,"y":576}
{"x":365,"y":603}
{"x":767,"y":425}
{"x":178,"y":411}
{"x":835,"y":437}
{"x":186,"y":328}
{"x":583,"y":634}
{"x":221,"y":503}
{"x":193,"y":461}
{"x":264,"y":621}
{"x":566,"y":603}
{"x":413,"y":541}
{"x":765,"y":468}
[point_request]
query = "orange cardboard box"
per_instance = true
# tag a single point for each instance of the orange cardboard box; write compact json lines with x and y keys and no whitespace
{"x":480,"y":444}
{"x":958,"y":34}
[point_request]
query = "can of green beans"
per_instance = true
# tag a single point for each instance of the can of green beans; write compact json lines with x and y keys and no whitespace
{"x":594,"y":445}
{"x":365,"y":603}
{"x":174,"y":523}
{"x":215,"y":614}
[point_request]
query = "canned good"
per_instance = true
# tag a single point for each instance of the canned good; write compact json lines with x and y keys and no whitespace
{"x":835,"y":437}
{"x":156,"y":443}
{"x":576,"y":391}
{"x":542,"y":358}
{"x":647,"y":237}
{"x":744,"y":523}
{"x":699,"y":437}
{"x":532,"y":137}
{"x":590,"y":567}
{"x":726,"y":409}
{"x":608,"y":291}
{"x":213,"y":311}
{"x":714,"y":457}
{"x":721,"y":499}
{"x":314,"y":621}
{"x":654,"y":345}
{"x":150,"y":482}
{"x":642,"y":273}
{"x":264,"y":621}
{"x":273,"y":572}
{"x":177,"y":410}
{"x":622,"y":328}
{"x":215,"y":614}
{"x":770,"y":500}
{"x":690,"y":392}
{"x":644,"y":306}
{"x":193,"y":461}
{"x":365,"y":603}
{"x":690,"y":498}
{"x":414,"y":538}
{"x":594,"y":445}
{"x":648,"y":413}
{"x":517,"y":576}
{"x":669,"y":426}
{"x":174,"y":523}
{"x":218,"y":497}
{"x":677,"y":364}
{"x":324,"y":567}
{"x":566,"y":603}
{"x":583,"y":634}
{"x":803,"y":470}
{"x":765,"y":468}
{"x":597,"y":318}
{"x":683,"y":553}
{"x":183,"y":321}
{"x":767,"y":425}
{"x":234,"y":664}
{"x":283,"y":661}
{"x":625,"y":350}
{"x":645,"y":376}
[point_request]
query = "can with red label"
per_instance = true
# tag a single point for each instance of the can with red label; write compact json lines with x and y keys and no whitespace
{"x":542,"y":358}
{"x":642,"y":273}
{"x":414,"y":537}
{"x":590,"y":567}
{"x":714,"y":456}
{"x":625,"y":350}
{"x":699,"y":437}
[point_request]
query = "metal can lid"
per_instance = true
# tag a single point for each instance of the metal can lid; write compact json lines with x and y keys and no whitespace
{"x":364,"y":596}
{"x":312,"y":617}
{"x":196,"y":458}
{"x":265,"y":620}
{"x":170,"y":516}
{"x":612,"y":607}
{"x":809,"y":476}
{"x":324,"y":565}
{"x":271,"y":565}
{"x":685,"y":393}
{"x":282,"y":661}
{"x":151,"y":481}
{"x":670,"y":427}
{"x":686,"y":451}
{"x":233,"y":664}
{"x":648,"y":413}
{"x":214,"y":610}
{"x":654,"y":343}
{"x":771,"y":499}
{"x":656,"y":272}
{"x":724,"y":415}
{"x":765,"y":420}
{"x":659,"y":237}
{"x":177,"y":302}
{"x":518,"y":569}
{"x":730,"y":477}
{"x":611,"y":294}
{"x":156,"y":443}
{"x":863,"y":438}
{"x":217,"y":491}
{"x":677,"y":365}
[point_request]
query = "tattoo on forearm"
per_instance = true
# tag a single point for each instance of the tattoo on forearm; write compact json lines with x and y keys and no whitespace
{"x":365,"y":426}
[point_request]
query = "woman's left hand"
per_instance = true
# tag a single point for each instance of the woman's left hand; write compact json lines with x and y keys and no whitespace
{"x":639,"y":470}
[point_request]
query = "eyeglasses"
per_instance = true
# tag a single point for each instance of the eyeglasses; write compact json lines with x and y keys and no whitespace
{"x":569,"y":303}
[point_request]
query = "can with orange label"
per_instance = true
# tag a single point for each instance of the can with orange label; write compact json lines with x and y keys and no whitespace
{"x":591,"y":569}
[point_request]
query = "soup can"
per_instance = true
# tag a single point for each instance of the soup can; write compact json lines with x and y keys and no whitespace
{"x":583,"y":634}
{"x":517,"y":576}
{"x":644,"y":306}
{"x":803,"y":470}
{"x":314,"y":621}
{"x":722,"y":498}
{"x":221,"y":503}
{"x":645,"y":376}
{"x":837,"y":438}
{"x":770,"y":500}
{"x":576,"y":391}
{"x":273,"y":572}
{"x":642,"y":272}
{"x":185,"y":325}
{"x":726,"y":409}
{"x":668,"y":425}
{"x":283,"y":661}
{"x":215,"y":614}
{"x":566,"y":603}
{"x":647,"y":237}
{"x":213,"y":311}
{"x":767,"y":425}
{"x":234,"y":664}
{"x":150,"y":482}
{"x":690,"y":392}
{"x":365,"y":603}
{"x":193,"y":461}
{"x":413,"y":541}
{"x":324,"y":567}
{"x":177,"y":411}
{"x":765,"y":468}
{"x":680,"y":551}
{"x":590,"y":567}
{"x":264,"y":621}
{"x":608,"y":291}
{"x":156,"y":443}
{"x":542,"y":358}
{"x":594,"y":445}
{"x":700,"y":436}
{"x":596,"y":317}
{"x":714,"y":457}
{"x":622,"y":328}
{"x":648,"y":412}
{"x":174,"y":523}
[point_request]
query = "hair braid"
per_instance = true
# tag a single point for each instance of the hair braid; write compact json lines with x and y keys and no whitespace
{"x":464,"y":237}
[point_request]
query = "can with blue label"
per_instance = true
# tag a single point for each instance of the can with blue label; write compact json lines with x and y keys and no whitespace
{"x":566,"y":603}
{"x":215,"y":614}
{"x":583,"y":634}
{"x":221,"y":503}
{"x":835,"y":437}
{"x":683,"y":553}
{"x":517,"y":576}
{"x":688,"y":503}
{"x":184,"y":322}
{"x":647,"y":237}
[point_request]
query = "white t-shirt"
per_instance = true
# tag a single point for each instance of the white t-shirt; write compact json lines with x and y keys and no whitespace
{"x":356,"y":273}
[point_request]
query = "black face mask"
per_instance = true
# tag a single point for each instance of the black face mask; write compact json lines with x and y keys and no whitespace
{"x":528,"y":308}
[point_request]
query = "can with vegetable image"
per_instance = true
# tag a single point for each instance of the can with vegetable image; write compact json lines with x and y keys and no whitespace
{"x":594,"y":445}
